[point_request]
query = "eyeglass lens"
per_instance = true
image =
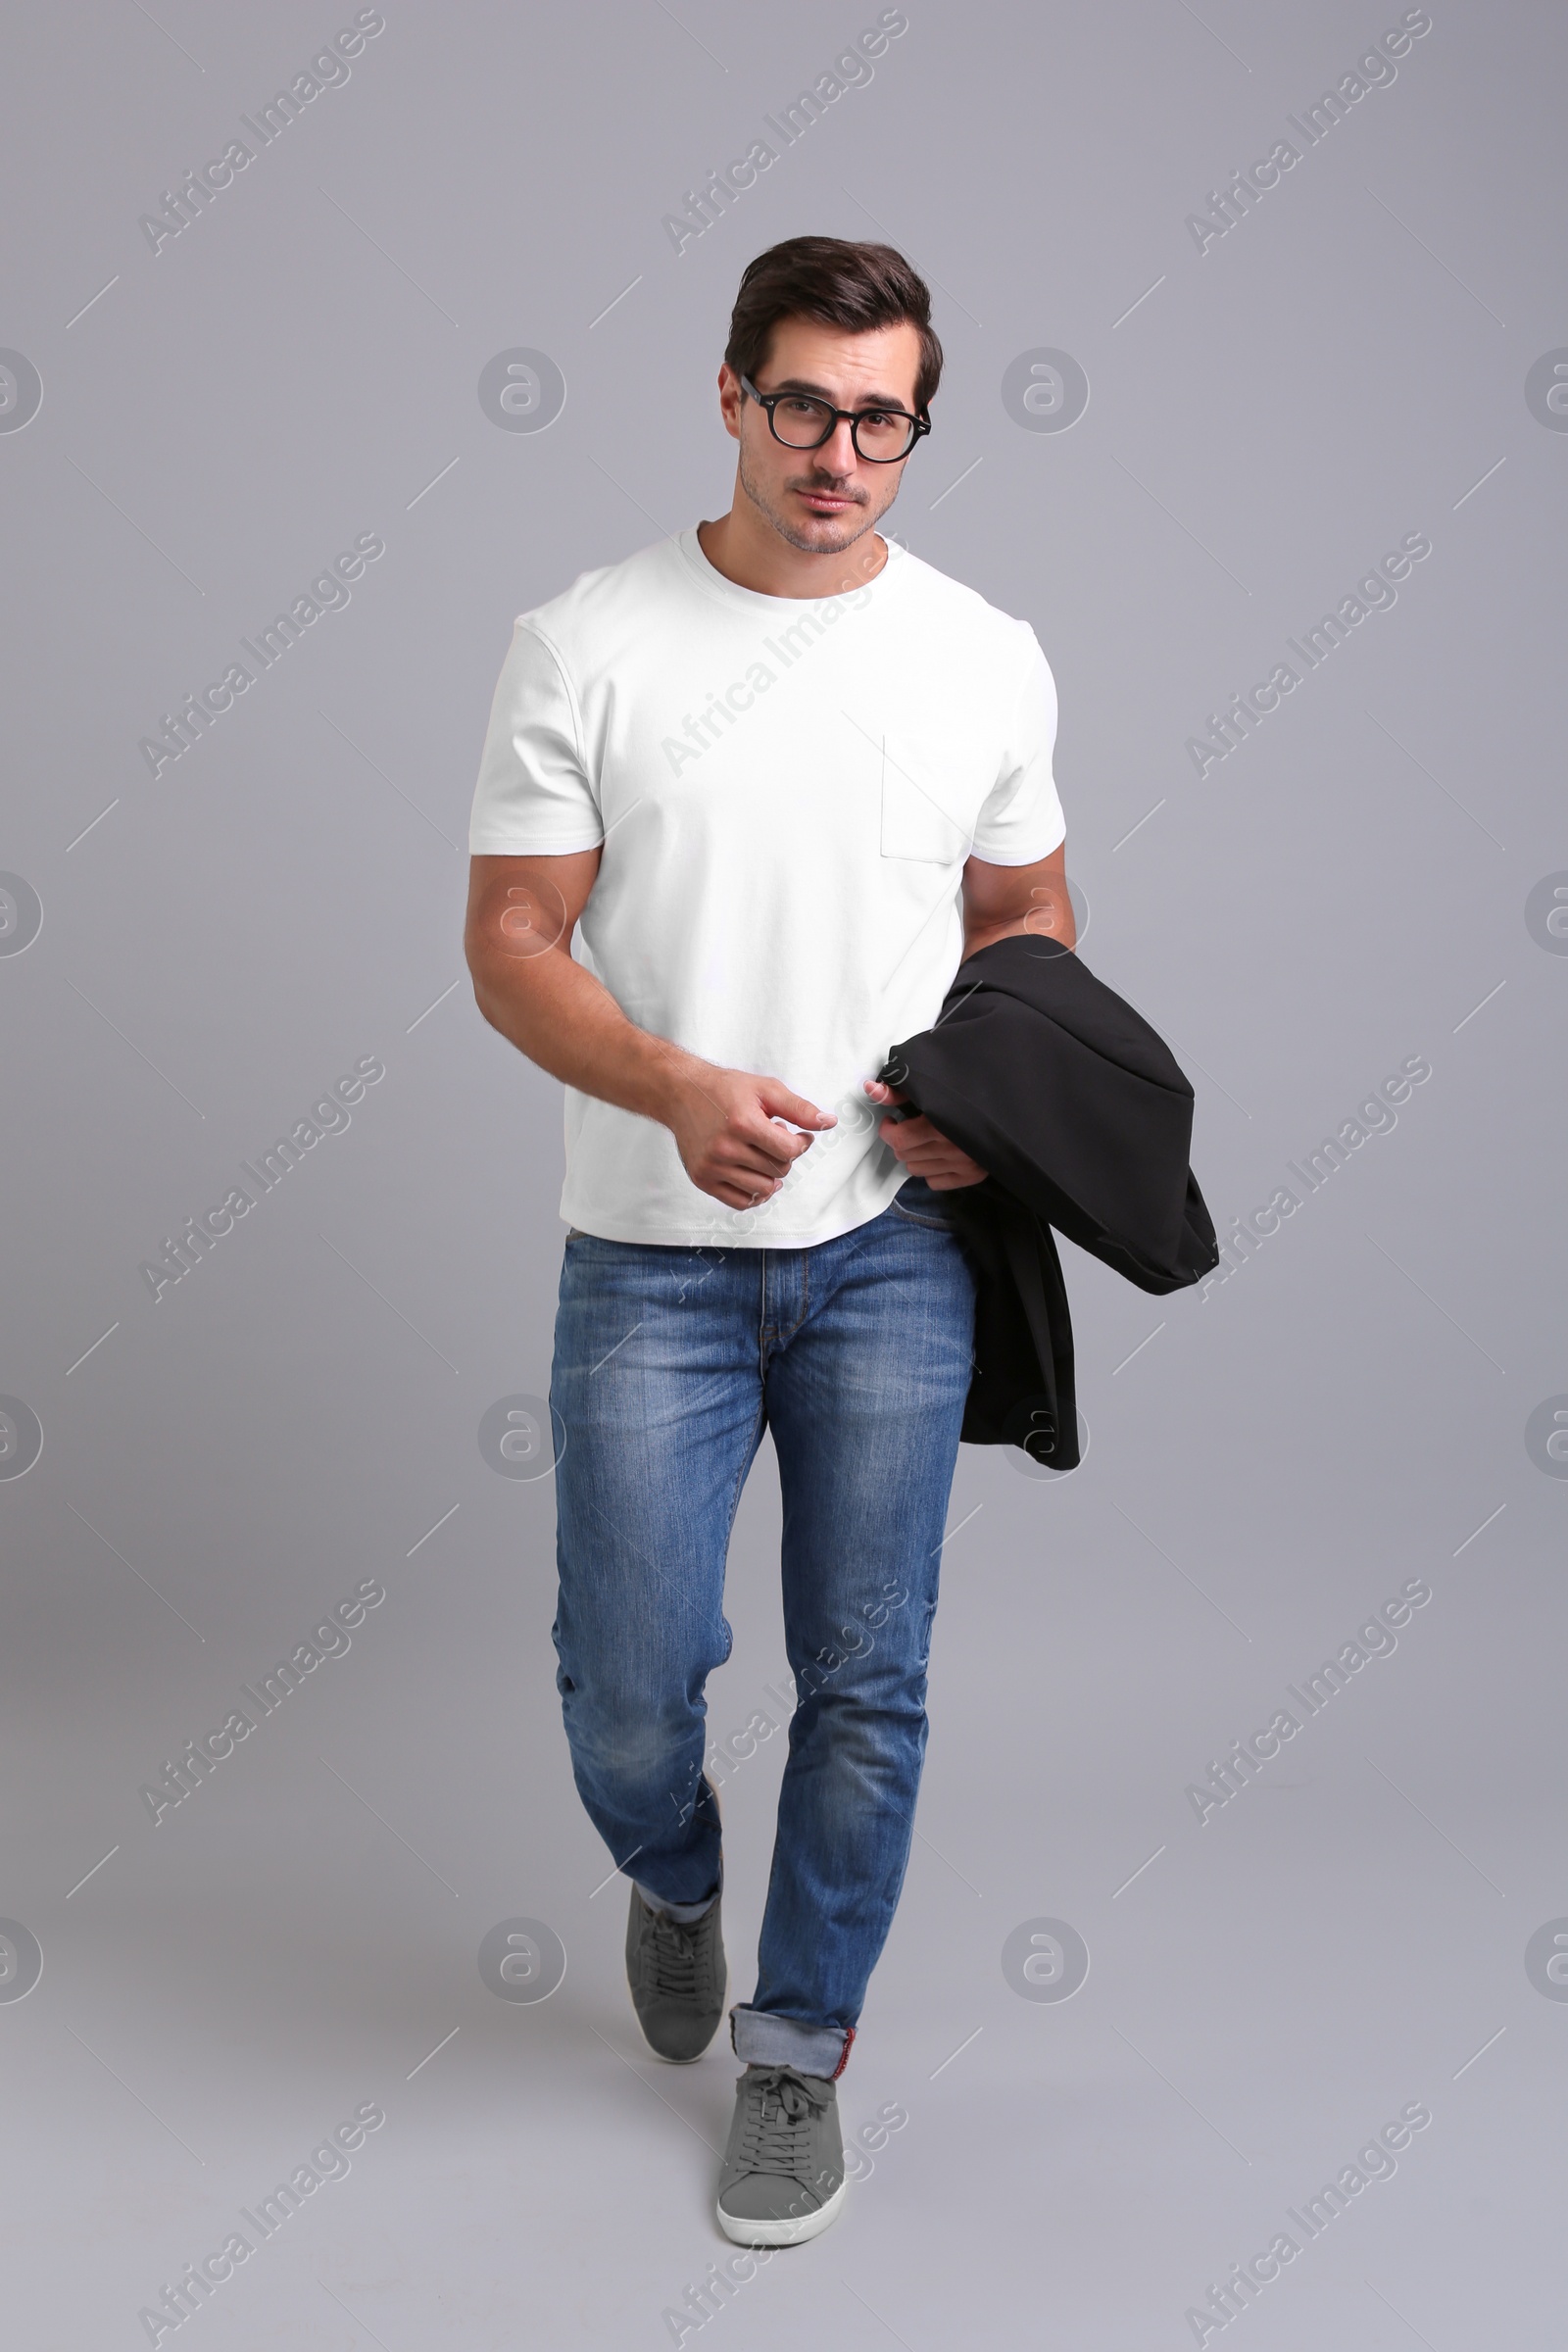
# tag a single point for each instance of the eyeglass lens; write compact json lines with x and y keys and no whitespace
{"x":804,"y":423}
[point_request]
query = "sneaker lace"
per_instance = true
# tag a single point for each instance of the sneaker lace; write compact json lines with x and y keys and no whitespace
{"x":779,"y":2109}
{"x":675,"y":1951}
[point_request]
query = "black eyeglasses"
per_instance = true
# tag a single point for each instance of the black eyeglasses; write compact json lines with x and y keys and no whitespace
{"x":881,"y":436}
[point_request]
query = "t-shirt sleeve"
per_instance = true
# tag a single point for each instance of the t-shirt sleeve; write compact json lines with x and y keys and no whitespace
{"x":1022,"y":818}
{"x":535,"y":796}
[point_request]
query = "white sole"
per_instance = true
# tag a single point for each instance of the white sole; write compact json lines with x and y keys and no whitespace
{"x":786,"y":2233}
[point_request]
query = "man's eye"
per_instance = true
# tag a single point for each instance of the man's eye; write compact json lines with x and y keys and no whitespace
{"x":876,"y":416}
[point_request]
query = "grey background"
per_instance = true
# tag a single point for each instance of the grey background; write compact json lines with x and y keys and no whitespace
{"x":1344,"y":891}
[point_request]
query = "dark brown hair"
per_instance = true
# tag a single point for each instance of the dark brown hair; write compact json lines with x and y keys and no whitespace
{"x":854,"y":287}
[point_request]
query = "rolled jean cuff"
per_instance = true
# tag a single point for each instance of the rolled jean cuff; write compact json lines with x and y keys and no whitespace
{"x":682,"y":1913}
{"x":761,"y":2038}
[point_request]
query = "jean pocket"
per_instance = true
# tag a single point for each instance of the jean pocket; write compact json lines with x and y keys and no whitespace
{"x":918,"y":1204}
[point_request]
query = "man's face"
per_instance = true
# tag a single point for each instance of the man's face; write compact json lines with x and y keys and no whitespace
{"x":822,"y":500}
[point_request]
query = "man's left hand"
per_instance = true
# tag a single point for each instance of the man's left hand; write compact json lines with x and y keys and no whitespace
{"x":922,"y":1148}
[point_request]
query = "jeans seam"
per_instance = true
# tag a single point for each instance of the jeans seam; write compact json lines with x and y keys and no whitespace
{"x":766,"y":1328}
{"x":931,"y":1224}
{"x":735,"y":1500}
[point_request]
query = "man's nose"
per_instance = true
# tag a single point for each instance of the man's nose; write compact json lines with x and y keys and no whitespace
{"x":837,"y":454}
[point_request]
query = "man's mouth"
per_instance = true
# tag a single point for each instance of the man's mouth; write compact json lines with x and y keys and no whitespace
{"x":825,"y":502}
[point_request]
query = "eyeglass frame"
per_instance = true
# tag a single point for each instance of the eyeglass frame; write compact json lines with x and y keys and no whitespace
{"x":769,"y":400}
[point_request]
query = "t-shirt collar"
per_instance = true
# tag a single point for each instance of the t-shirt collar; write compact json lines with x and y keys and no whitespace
{"x":707,"y":577}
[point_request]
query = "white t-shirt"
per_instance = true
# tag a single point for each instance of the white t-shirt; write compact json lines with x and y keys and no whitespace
{"x":786,"y":791}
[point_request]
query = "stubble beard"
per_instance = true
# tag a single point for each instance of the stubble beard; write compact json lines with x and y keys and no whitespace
{"x":846,"y":529}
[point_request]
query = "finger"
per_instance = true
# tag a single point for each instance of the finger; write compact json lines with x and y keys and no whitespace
{"x":908,"y":1136}
{"x":736,"y":1163}
{"x":743,"y":1192}
{"x":778,"y":1148}
{"x":883,"y":1093}
{"x":937,"y":1152}
{"x":778,"y":1102}
{"x":955,"y":1168}
{"x":932,"y":1152}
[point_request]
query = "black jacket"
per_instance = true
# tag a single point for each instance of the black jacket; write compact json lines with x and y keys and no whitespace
{"x":1078,"y":1110}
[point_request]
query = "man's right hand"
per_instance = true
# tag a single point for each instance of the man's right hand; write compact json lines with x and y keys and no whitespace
{"x":724,"y":1125}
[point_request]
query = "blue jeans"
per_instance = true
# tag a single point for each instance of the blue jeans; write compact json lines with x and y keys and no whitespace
{"x":669,"y":1362}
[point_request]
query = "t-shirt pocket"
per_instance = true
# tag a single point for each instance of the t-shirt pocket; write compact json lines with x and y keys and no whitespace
{"x":922,"y":816}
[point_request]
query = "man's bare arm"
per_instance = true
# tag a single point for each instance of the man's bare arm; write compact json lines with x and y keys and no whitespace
{"x":1010,"y":901}
{"x":1000,"y":902}
{"x":522,"y":913}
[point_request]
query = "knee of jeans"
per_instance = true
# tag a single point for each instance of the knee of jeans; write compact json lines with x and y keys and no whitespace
{"x":872,"y":1648}
{"x":865,"y":1693}
{"x":872,"y":1750}
{"x":624,"y":1736}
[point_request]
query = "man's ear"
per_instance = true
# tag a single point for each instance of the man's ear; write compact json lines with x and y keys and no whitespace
{"x":730,"y":398}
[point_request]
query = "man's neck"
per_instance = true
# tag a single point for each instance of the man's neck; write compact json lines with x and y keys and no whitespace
{"x":768,"y":565}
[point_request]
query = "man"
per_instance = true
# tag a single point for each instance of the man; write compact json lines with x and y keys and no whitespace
{"x":746,"y":799}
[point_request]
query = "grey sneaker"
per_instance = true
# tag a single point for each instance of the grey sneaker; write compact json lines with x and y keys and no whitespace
{"x":784,"y":2175}
{"x":677,"y":1979}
